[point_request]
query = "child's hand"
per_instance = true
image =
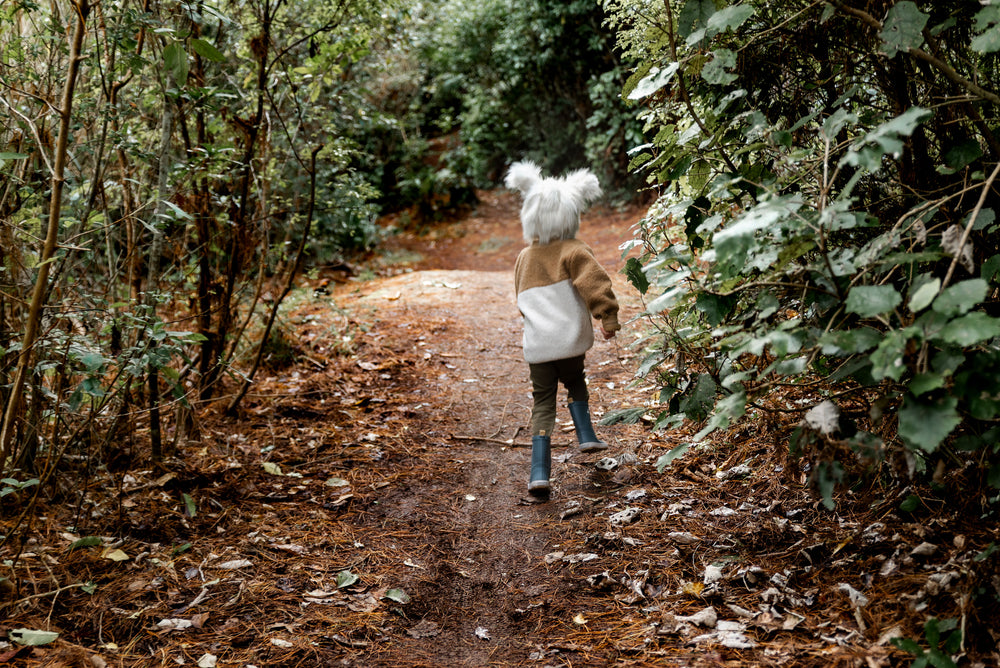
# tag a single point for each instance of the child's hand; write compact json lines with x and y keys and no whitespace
{"x":606,"y":333}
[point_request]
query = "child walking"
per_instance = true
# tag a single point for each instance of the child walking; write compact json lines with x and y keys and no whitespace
{"x":560,"y":285}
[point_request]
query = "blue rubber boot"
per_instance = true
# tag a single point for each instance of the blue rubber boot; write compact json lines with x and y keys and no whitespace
{"x":541,"y":465}
{"x":580,"y":410}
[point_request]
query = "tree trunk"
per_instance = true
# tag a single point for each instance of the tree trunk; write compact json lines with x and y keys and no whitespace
{"x":40,"y":292}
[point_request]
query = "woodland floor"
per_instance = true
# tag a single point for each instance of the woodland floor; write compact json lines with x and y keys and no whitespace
{"x":368,"y":508}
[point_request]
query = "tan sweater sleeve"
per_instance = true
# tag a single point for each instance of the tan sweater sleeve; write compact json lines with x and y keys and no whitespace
{"x":594,"y":285}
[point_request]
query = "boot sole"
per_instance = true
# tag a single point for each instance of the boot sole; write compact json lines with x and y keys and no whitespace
{"x":592,"y":447}
{"x":539,"y":488}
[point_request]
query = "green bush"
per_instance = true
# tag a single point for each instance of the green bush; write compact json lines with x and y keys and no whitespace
{"x":826,"y":223}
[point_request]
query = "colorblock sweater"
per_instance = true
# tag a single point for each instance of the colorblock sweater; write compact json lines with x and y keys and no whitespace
{"x":559,"y":286}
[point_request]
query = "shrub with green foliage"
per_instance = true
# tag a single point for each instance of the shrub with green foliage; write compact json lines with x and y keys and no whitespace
{"x":826,"y":223}
{"x":487,"y":82}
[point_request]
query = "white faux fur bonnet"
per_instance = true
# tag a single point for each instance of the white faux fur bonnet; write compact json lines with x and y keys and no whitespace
{"x":552,"y":206}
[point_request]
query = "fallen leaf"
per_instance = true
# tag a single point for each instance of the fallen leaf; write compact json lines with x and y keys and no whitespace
{"x":580,"y":557}
{"x":580,"y":619}
{"x":346,"y":579}
{"x":272,"y":468}
{"x":207,"y":661}
{"x":281,"y":642}
{"x":174,"y":624}
{"x":712,"y":574}
{"x":397,"y":595}
{"x":683,"y":537}
{"x":115,"y":555}
{"x":857,"y":599}
{"x":707,"y":618}
{"x":32,"y":637}
{"x":482,"y":633}
{"x":424,"y":629}
{"x":235,"y":564}
{"x":624,"y":517}
{"x":692,"y":588}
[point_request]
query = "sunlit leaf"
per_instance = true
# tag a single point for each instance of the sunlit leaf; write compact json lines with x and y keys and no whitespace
{"x":654,"y":81}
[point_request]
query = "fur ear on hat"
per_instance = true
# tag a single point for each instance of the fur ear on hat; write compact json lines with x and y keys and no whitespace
{"x":523,"y":176}
{"x":552,"y":206}
{"x":585,"y":184}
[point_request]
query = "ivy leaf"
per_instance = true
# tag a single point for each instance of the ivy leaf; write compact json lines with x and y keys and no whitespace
{"x":961,"y":297}
{"x":872,"y":300}
{"x":694,"y":15}
{"x":697,"y":404}
{"x":923,"y":383}
{"x":969,"y":330}
{"x":926,"y":425}
{"x":725,"y":19}
{"x":962,"y":154}
{"x":903,"y":28}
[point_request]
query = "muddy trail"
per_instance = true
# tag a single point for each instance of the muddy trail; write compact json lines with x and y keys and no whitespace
{"x":369,"y":508}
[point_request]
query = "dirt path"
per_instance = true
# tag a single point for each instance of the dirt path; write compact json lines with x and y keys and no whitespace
{"x":490,"y":587}
{"x":369,"y":508}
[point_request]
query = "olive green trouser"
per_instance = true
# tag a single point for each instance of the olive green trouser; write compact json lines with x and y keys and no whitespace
{"x":545,"y":379}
